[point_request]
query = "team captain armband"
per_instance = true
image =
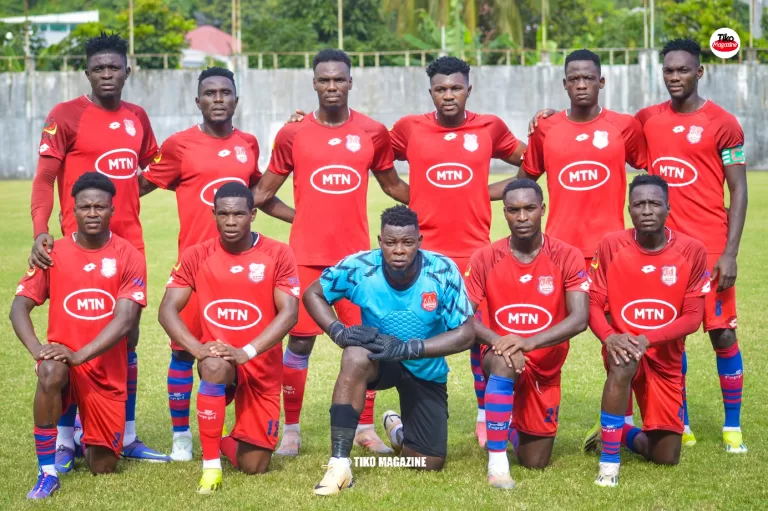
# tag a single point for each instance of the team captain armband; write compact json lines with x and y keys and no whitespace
{"x":733,"y":155}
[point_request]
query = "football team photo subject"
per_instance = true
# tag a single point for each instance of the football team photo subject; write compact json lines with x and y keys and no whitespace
{"x":466,"y":278}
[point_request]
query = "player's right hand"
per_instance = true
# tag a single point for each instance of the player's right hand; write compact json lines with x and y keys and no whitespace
{"x":358,"y":335}
{"x":512,"y":347}
{"x":535,"y":121}
{"x":57,"y":352}
{"x":297,"y":117}
{"x":621,"y":349}
{"x":41,"y":249}
{"x":229,"y":353}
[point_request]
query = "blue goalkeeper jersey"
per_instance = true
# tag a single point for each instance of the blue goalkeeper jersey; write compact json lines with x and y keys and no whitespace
{"x":435,"y":303}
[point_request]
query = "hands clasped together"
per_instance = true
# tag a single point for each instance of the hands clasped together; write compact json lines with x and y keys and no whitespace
{"x":382,"y":347}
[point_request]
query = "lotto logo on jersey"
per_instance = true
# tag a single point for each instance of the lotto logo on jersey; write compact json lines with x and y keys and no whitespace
{"x":89,"y":304}
{"x":584,"y":175}
{"x":429,"y":301}
{"x":209,"y":190}
{"x":335,"y":179}
{"x":232,"y":314}
{"x":523,"y":318}
{"x":449,"y":175}
{"x":676,"y":172}
{"x":648,"y":313}
{"x":118,"y":164}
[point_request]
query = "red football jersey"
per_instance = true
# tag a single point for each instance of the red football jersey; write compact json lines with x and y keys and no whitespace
{"x":646,"y":290}
{"x":235,"y":293}
{"x":449,"y":169}
{"x":195,"y":165}
{"x":83,"y":287}
{"x":330,"y":183}
{"x":690,"y":152}
{"x":585,"y":164}
{"x":118,"y":143}
{"x":525,"y":299}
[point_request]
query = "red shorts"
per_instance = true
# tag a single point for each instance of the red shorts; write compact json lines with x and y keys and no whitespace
{"x":537,"y":405}
{"x":719,"y":308}
{"x":482,"y":308}
{"x":103,"y":418}
{"x":659,"y":398}
{"x":257,"y":414}
{"x":190,"y":315}
{"x":348,"y":312}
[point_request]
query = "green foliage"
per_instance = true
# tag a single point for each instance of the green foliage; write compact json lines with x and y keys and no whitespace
{"x":698,"y":19}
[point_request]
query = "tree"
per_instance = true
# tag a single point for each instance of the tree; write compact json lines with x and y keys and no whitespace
{"x":698,"y":19}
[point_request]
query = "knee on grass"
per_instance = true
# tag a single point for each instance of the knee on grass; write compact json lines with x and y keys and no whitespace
{"x":100,"y":460}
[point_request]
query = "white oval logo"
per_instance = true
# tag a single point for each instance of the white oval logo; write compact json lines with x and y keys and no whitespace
{"x":232,"y":314}
{"x":648,"y":313}
{"x":449,"y":175}
{"x":676,"y":172}
{"x":207,"y":193}
{"x":118,"y":164}
{"x":523,"y":318}
{"x":584,"y":175}
{"x":335,"y":179}
{"x":725,"y":43}
{"x":89,"y":304}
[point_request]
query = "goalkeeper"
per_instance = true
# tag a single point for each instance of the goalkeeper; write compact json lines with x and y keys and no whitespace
{"x":415,"y":311}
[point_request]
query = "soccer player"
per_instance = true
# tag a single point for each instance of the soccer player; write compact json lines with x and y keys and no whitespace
{"x":417,"y":302}
{"x":329,"y":153}
{"x":97,"y":131}
{"x":96,"y":286}
{"x":194,"y":163}
{"x":696,"y":145}
{"x":247,"y":298}
{"x":536,"y":287}
{"x":651,"y":280}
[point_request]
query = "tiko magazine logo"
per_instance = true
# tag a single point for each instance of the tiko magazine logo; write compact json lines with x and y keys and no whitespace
{"x":725,"y":43}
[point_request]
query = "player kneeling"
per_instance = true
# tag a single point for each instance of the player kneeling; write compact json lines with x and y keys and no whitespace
{"x":654,"y":281}
{"x":247,"y":288}
{"x":96,"y":287}
{"x":536,"y":287}
{"x":415,"y":311}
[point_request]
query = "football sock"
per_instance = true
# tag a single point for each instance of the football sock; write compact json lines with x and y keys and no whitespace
{"x":396,"y":436}
{"x":476,"y":362}
{"x":130,"y":403}
{"x":731,"y":370}
{"x":179,"y":392}
{"x":611,"y":438}
{"x":366,"y":418}
{"x":514,"y":439}
{"x":229,"y":449}
{"x":344,"y":420}
{"x":45,"y":447}
{"x":686,"y":422}
{"x":294,"y":381}
{"x":66,"y":428}
{"x":628,"y":434}
{"x":211,"y":408}
{"x":628,"y":415}
{"x":498,"y":409}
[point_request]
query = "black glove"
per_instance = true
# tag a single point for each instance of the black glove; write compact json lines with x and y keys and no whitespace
{"x":352,"y":336}
{"x":391,"y":348}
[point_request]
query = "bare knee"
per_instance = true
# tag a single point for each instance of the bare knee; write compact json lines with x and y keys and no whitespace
{"x":216,"y":370}
{"x":622,"y":374}
{"x":52,"y":375}
{"x":355,"y":362}
{"x":722,"y":338}
{"x":254,"y":467}
{"x":498,"y":366}
{"x":100,"y":460}
{"x":301,"y":345}
{"x":536,"y":461}
{"x":251,"y":459}
{"x":434,"y":464}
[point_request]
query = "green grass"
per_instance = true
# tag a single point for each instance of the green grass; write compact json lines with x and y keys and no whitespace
{"x":706,"y":478}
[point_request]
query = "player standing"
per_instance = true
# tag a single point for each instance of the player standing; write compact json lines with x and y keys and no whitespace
{"x":194,"y":163}
{"x":536,"y":287}
{"x":417,"y":302}
{"x":95,"y":283}
{"x":696,"y":145}
{"x":247,"y":298}
{"x":97,"y":131}
{"x":329,"y":153}
{"x":651,"y":280}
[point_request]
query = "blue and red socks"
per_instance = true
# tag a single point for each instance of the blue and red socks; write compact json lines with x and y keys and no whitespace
{"x":730,"y":368}
{"x":130,"y":403}
{"x":498,"y":410}
{"x":613,"y":427}
{"x":66,"y":428}
{"x":45,"y":447}
{"x":295,"y":368}
{"x":686,"y":421}
{"x":628,"y":435}
{"x":476,"y":361}
{"x":211,"y":409}
{"x":179,"y":393}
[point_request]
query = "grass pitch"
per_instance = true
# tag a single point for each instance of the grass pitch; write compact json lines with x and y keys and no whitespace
{"x":707,"y":478}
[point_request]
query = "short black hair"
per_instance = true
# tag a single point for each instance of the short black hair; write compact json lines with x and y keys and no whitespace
{"x":647,"y":179}
{"x":682,"y":44}
{"x":331,"y":55}
{"x":519,"y":184}
{"x":234,"y":189}
{"x":582,"y":54}
{"x":106,"y":43}
{"x":93,"y":180}
{"x":215,"y":71}
{"x":447,"y":66}
{"x":399,"y":216}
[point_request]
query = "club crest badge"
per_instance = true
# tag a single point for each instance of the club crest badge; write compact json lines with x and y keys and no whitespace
{"x":669,"y":275}
{"x":129,"y":127}
{"x":694,"y":134}
{"x":600,"y":139}
{"x":108,"y":267}
{"x":546,"y":285}
{"x":353,"y":143}
{"x":429,"y":301}
{"x":256,"y":272}
{"x":240,"y":154}
{"x":470,"y":142}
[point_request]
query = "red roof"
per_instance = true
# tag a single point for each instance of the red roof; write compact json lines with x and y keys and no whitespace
{"x":210,"y":40}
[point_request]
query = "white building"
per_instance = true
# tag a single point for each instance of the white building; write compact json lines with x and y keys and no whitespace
{"x":55,"y":27}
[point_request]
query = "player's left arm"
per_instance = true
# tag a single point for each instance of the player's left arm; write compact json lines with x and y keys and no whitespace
{"x":725,"y":268}
{"x":124,"y":318}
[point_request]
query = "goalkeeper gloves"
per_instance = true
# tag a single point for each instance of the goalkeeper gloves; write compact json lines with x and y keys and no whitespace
{"x":391,"y":348}
{"x":351,"y":336}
